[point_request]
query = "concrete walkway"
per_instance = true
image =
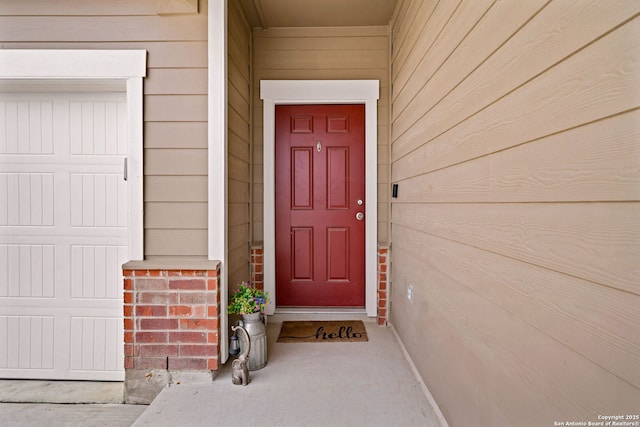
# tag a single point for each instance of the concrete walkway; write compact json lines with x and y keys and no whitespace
{"x":306,"y":384}
{"x":32,"y":403}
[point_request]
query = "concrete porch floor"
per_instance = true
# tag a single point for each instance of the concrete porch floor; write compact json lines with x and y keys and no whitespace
{"x":307,"y":384}
{"x":303,"y":384}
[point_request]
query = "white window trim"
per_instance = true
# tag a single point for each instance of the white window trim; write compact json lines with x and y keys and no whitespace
{"x":367,"y":92}
{"x":96,"y":65}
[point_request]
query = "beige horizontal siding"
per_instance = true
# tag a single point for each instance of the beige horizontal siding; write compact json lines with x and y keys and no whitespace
{"x":239,"y":145}
{"x":514,"y":144}
{"x":175,"y":102}
{"x":70,"y":8}
{"x":320,"y":54}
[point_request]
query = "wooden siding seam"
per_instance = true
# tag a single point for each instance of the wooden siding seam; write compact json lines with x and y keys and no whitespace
{"x":505,"y":94}
{"x":485,"y":59}
{"x":467,"y":160}
{"x":512,"y":258}
{"x":519,"y":317}
{"x":495,"y":101}
{"x":402,"y":63}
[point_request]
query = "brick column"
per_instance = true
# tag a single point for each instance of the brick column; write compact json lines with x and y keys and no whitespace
{"x":171,"y":324}
{"x":257,"y":264}
{"x":383,"y":277}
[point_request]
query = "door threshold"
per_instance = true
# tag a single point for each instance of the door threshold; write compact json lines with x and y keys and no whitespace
{"x":320,"y":313}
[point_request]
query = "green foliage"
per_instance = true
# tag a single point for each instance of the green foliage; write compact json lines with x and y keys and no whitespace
{"x":247,"y":300}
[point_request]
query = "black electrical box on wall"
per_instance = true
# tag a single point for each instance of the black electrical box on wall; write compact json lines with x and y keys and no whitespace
{"x":394,"y":191}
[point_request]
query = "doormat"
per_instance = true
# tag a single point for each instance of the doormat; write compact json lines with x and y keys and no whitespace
{"x":323,"y":331}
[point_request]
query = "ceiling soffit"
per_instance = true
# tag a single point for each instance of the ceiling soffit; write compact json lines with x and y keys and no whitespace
{"x":318,"y":13}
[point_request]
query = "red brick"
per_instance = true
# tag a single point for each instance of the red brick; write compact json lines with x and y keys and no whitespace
{"x":382,"y":286}
{"x":158,"y":350}
{"x":179,"y":310}
{"x":150,"y":363}
{"x":128,"y":284}
{"x":187,"y":273}
{"x":181,"y":363}
{"x":382,"y":295}
{"x":158,"y":297}
{"x":128,"y":337}
{"x":259,"y":277}
{"x":155,"y":273}
{"x":210,"y":324}
{"x":382,"y":312}
{"x":199,"y":310}
{"x":128,"y":362}
{"x":212,"y":284}
{"x":128,"y":297}
{"x":213,"y":273}
{"x":151,"y":310}
{"x":198,"y":350}
{"x":383,"y":251}
{"x":151,"y":337}
{"x":127,"y":273}
{"x":382,"y":322}
{"x":193,"y":298}
{"x":154,"y":324}
{"x":382,"y":277}
{"x":188,"y":337}
{"x":131,"y":350}
{"x":145,"y":284}
{"x":383,"y":268}
{"x":188,"y":284}
{"x":127,"y":310}
{"x":212,"y":311}
{"x":212,"y":364}
{"x":128,"y":324}
{"x":212,"y":338}
{"x":213,"y":298}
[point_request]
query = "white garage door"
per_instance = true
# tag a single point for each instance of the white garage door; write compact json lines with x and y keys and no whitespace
{"x":63,"y":235}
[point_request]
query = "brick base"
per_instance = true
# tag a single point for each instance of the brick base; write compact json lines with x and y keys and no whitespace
{"x":171,"y":316}
{"x":383,"y":284}
{"x":257,"y":264}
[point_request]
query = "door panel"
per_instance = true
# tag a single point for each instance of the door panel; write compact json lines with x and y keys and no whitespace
{"x":319,"y":180}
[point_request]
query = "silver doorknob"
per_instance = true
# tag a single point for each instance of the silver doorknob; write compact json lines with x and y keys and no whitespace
{"x":359,"y":216}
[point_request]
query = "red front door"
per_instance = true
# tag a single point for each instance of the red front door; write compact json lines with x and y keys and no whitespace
{"x":320,"y":187}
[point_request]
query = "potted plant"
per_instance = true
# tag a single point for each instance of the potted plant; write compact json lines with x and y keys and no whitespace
{"x":248,"y":300}
{"x":250,"y":303}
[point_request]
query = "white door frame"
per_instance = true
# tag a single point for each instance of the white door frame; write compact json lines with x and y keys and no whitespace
{"x":367,"y":92}
{"x":97,"y":67}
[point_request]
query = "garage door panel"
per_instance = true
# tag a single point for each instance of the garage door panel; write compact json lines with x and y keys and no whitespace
{"x":98,"y":200}
{"x":92,"y":341}
{"x":33,"y":338}
{"x":27,"y":127}
{"x":27,"y":271}
{"x":26,"y":199}
{"x":93,"y":123}
{"x":63,"y":235}
{"x":95,"y":271}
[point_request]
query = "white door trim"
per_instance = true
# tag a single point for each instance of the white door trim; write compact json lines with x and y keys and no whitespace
{"x":127,"y":66}
{"x":367,"y":92}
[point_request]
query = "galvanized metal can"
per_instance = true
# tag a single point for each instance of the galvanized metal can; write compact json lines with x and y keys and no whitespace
{"x":257,"y":331}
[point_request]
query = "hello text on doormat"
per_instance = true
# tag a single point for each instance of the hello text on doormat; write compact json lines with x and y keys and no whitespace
{"x":323,"y":331}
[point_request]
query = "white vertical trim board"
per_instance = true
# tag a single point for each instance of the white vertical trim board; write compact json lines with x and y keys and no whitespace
{"x":275,"y":92}
{"x":130,"y":66}
{"x":217,"y":148}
